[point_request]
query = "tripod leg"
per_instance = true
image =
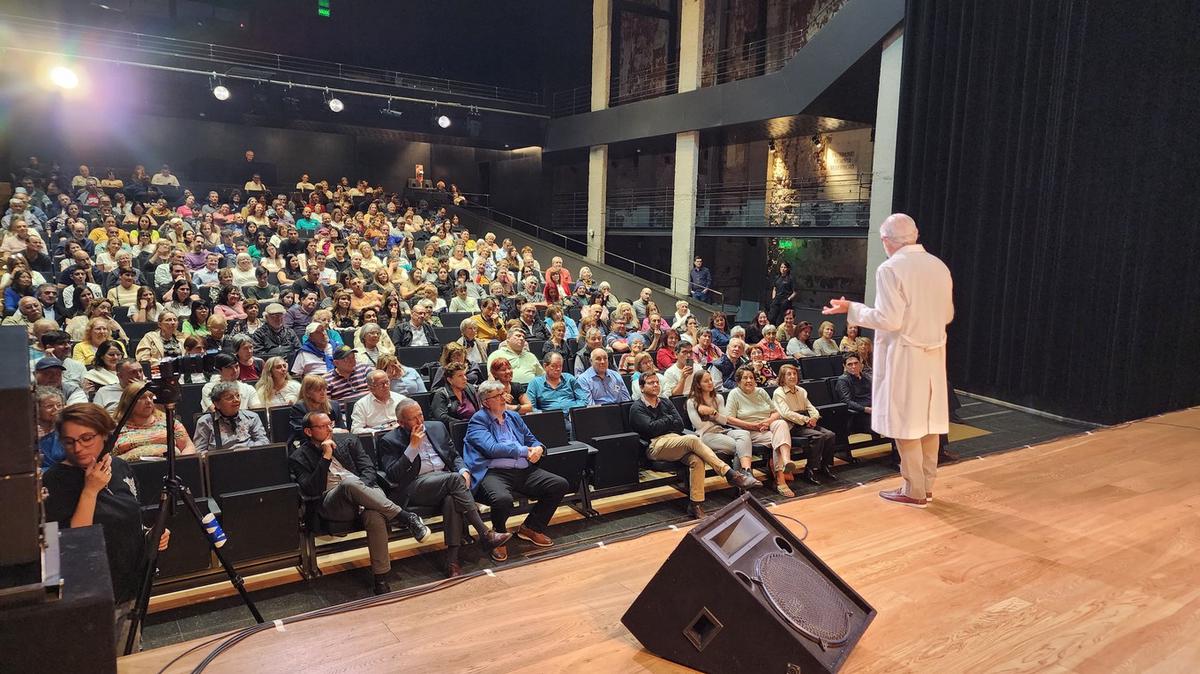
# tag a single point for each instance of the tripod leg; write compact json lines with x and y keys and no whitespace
{"x":234,"y":577}
{"x":142,"y":603}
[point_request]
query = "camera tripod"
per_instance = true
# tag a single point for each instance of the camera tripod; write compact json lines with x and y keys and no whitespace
{"x":166,"y":391}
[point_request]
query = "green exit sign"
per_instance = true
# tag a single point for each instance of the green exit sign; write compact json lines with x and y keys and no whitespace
{"x":786,"y":244}
{"x":323,"y":8}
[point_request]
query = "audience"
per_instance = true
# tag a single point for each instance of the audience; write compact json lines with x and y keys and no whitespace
{"x":228,"y":425}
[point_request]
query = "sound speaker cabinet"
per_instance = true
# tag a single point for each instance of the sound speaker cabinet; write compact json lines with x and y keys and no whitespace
{"x":741,"y":593}
{"x":20,"y":515}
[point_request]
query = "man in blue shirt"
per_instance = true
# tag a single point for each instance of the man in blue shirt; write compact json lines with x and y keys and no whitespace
{"x":555,"y":390}
{"x":601,"y":385}
{"x":501,"y":454}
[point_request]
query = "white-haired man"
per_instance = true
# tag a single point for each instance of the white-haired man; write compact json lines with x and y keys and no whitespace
{"x":913,"y":305}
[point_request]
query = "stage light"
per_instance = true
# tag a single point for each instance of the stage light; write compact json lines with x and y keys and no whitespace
{"x":389,"y":112}
{"x":220,"y":92}
{"x":335,"y":104}
{"x":443,"y":121}
{"x":64,"y":77}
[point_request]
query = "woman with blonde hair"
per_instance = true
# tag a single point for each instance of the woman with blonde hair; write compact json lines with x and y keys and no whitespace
{"x":342,"y":310}
{"x":372,"y":344}
{"x":97,"y":332}
{"x":864,"y":348}
{"x":370,"y":263}
{"x":850,"y":341}
{"x":825,"y":346}
{"x":401,"y":379}
{"x":145,"y":431}
{"x":750,"y":408}
{"x":274,"y":387}
{"x":314,"y":397}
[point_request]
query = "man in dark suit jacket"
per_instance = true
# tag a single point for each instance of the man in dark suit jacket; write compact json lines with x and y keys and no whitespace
{"x":417,"y":324}
{"x":337,"y":477}
{"x":422,"y":467}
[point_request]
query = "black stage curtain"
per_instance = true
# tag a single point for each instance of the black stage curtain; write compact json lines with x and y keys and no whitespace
{"x":1048,"y":152}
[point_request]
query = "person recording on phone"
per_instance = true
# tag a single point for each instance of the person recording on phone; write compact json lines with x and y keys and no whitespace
{"x":86,"y":488}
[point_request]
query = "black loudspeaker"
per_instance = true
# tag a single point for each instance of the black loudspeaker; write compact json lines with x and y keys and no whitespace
{"x":20,"y":523}
{"x":742,"y":594}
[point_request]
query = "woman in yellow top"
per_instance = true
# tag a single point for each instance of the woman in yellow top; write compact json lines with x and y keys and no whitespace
{"x":849,"y":343}
{"x":96,"y":333}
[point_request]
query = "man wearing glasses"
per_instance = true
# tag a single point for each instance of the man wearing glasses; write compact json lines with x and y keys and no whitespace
{"x":337,"y":477}
{"x":502,"y":455}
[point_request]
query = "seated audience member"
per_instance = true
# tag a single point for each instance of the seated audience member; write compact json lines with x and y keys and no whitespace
{"x":145,"y":431}
{"x":618,"y":340}
{"x":559,"y":343}
{"x":249,"y":366}
{"x":534,"y":327}
{"x":274,"y":387}
{"x":555,"y":390}
{"x":629,"y":359}
{"x":514,"y":392}
{"x":522,"y":361}
{"x":29,"y":310}
{"x":273,"y":338}
{"x":792,"y":403}
{"x":314,"y":397}
{"x":104,"y":366}
{"x":418,"y":331}
{"x":750,"y":408}
{"x":798,"y":346}
{"x":128,"y":371}
{"x":718,"y":325}
{"x":299,"y":316}
{"x":462,"y":301}
{"x":488,"y":323}
{"x":165,"y":342}
{"x":770,"y":344}
{"x":763,"y":374}
{"x":658,"y":423}
{"x":371,"y":343}
{"x":376,"y":411}
{"x":677,"y":379}
{"x":601,"y":384}
{"x":853,"y":388}
{"x":668,"y":350}
{"x":502,"y":455}
{"x":227,"y":371}
{"x":421,"y":464}
{"x":705,"y":352}
{"x":826,"y":346}
{"x":724,"y":367}
{"x":850,"y":341}
{"x":338,"y":479}
{"x":754,"y":331}
{"x":348,"y":378}
{"x":57,"y":343}
{"x":403,"y":380}
{"x":314,"y":355}
{"x":592,"y":339}
{"x":48,"y":371}
{"x":706,"y":411}
{"x":50,"y":404}
{"x":639,"y":305}
{"x":85,"y":489}
{"x":229,"y":425}
{"x":457,"y":400}
{"x":476,"y":349}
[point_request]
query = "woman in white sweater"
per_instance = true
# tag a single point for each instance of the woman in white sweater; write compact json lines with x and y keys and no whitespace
{"x":705,"y":408}
{"x":749,"y":407}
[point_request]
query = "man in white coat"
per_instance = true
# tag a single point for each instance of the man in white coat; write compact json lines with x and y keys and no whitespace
{"x":913,"y":305}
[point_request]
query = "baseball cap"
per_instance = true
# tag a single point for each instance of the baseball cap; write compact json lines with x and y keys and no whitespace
{"x":343,"y":352}
{"x":274,"y":308}
{"x":49,"y":363}
{"x":313,"y":327}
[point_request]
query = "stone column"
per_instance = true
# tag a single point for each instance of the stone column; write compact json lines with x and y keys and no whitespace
{"x":687,"y":149}
{"x":883,"y":164}
{"x":597,"y":192}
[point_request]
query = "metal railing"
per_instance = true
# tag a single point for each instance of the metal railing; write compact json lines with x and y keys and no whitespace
{"x":718,"y":66}
{"x":652,"y":207}
{"x":571,"y":101}
{"x":675,"y":284}
{"x":113,"y":44}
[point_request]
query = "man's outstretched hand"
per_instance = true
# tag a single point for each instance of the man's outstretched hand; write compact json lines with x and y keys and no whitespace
{"x":839,"y":306}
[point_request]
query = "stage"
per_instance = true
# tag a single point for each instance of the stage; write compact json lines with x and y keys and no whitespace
{"x":1077,"y":555}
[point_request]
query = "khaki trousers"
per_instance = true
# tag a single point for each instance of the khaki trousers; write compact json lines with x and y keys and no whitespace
{"x":692,"y":451}
{"x":918,"y":465}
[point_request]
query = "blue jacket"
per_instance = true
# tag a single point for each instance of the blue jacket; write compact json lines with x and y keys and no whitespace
{"x":481,"y":444}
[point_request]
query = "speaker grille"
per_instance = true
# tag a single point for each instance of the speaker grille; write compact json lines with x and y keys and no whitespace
{"x":805,"y":598}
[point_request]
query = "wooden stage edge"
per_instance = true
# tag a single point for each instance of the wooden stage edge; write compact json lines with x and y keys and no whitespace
{"x":1078,"y":555}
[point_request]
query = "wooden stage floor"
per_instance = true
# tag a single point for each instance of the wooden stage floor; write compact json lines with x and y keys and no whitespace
{"x":1080,"y":555}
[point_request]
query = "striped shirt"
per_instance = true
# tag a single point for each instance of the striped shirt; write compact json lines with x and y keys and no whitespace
{"x":353,"y":386}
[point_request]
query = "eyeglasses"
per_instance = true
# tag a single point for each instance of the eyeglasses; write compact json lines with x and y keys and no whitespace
{"x":69,"y":442}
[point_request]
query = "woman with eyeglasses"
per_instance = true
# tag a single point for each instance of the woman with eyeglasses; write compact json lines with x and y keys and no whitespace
{"x":145,"y":431}
{"x":86,"y":489}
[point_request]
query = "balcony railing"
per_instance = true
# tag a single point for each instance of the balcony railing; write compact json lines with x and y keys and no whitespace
{"x":571,"y":101}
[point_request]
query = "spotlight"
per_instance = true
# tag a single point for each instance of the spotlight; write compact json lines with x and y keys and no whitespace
{"x":443,"y":121}
{"x":389,"y":112}
{"x":335,"y":104}
{"x":64,"y":77}
{"x":220,"y":92}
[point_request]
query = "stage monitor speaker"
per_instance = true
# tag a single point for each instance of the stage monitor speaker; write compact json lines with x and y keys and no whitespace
{"x":20,"y":521}
{"x":741,"y":593}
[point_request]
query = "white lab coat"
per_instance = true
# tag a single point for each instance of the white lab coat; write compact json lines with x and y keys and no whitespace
{"x":913,"y":305}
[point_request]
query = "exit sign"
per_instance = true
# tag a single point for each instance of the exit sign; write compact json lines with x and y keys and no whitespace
{"x":786,"y":244}
{"x":323,"y":8}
